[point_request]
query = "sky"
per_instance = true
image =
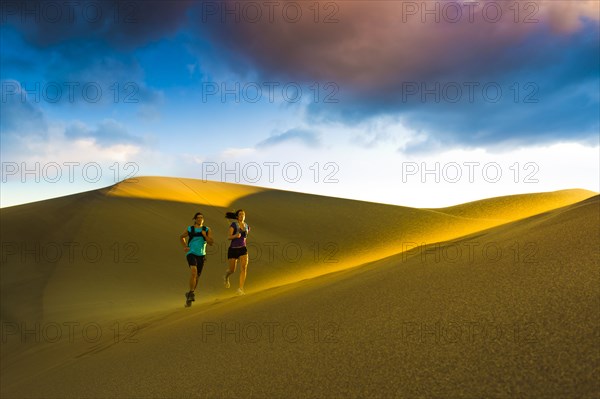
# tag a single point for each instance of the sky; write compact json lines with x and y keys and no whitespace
{"x":414,"y":103}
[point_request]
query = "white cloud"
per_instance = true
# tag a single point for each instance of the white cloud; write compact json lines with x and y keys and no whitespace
{"x":230,"y":153}
{"x":567,"y":16}
{"x":344,"y":167}
{"x":35,"y":169}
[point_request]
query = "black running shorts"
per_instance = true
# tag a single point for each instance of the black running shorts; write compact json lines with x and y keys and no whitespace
{"x":196,"y":260}
{"x":236,"y":253}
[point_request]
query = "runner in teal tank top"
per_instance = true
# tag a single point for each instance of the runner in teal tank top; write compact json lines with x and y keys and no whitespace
{"x":197,"y":244}
{"x":197,"y":237}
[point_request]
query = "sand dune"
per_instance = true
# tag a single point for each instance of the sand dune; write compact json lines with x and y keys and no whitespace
{"x":355,"y":325}
{"x":420,"y":324}
{"x":119,"y":246}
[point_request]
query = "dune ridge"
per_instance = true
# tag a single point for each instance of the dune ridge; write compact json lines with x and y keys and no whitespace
{"x":507,"y":209}
{"x":182,"y":190}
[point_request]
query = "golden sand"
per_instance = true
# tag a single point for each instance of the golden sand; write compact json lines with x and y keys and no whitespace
{"x":378,"y":326}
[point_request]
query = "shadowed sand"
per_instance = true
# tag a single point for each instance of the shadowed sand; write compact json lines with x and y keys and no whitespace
{"x":506,"y":311}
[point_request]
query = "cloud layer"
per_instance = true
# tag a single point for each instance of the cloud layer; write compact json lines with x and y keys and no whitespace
{"x":459,"y":73}
{"x":492,"y":72}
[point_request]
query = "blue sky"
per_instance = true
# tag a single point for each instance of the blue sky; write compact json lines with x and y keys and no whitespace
{"x":411,"y":103}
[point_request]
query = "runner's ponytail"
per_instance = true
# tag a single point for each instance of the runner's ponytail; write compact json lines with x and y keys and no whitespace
{"x":233,"y":215}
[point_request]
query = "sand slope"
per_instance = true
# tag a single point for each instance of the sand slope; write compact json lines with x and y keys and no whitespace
{"x":516,"y":317}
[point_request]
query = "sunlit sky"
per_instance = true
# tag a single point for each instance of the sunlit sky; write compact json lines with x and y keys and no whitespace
{"x":424,"y":104}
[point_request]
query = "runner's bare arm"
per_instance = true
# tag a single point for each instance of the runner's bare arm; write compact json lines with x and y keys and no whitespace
{"x":231,"y":235}
{"x":183,"y":241}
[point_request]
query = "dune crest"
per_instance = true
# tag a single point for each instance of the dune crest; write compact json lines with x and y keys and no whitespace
{"x":182,"y":190}
{"x":514,"y":207}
